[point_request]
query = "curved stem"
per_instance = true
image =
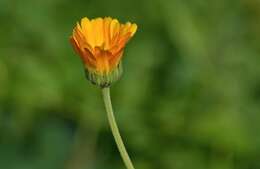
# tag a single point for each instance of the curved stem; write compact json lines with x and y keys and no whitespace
{"x":114,"y":128}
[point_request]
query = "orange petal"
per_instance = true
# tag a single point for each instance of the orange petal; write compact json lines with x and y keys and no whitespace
{"x":114,"y":28}
{"x":106,"y":27}
{"x":102,"y":62}
{"x":133,"y":29}
{"x":115,"y":58}
{"x":81,"y":40}
{"x":87,"y":30}
{"x":89,"y":59}
{"x":75,"y":45}
{"x":98,"y":31}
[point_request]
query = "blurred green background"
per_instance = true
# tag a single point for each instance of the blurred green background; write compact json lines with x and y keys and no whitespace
{"x":189,"y":97}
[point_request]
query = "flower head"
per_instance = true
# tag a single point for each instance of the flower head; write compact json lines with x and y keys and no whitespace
{"x":100,"y":43}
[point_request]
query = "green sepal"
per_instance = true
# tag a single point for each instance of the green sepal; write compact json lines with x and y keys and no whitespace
{"x":106,"y":79}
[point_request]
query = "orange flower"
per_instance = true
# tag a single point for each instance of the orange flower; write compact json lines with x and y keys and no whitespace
{"x":100,"y":43}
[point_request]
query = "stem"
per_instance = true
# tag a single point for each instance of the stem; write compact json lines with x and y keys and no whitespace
{"x":114,"y":128}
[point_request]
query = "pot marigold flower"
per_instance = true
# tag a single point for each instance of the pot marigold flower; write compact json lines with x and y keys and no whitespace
{"x":100,"y":43}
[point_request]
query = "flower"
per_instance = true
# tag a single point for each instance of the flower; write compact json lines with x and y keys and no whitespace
{"x":100,"y":43}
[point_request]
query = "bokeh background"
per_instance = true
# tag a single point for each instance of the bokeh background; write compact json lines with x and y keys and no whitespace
{"x":189,"y":97}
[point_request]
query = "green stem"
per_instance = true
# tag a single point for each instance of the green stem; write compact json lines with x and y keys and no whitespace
{"x":114,"y":128}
